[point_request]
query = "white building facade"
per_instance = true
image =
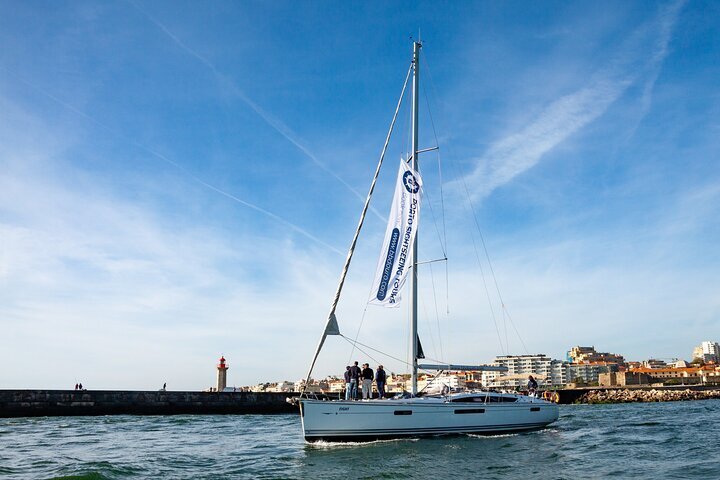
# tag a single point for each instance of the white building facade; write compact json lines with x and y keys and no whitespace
{"x":707,"y":351}
{"x":548,"y":372}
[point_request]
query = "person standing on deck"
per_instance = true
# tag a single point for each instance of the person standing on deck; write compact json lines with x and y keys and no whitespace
{"x":380,"y":378}
{"x":532,"y":386}
{"x":348,"y":385}
{"x":367,"y":379}
{"x":354,"y":379}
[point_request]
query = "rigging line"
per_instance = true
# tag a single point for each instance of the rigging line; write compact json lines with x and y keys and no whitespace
{"x":447,"y":246}
{"x":437,"y":143}
{"x":505,"y":322}
{"x":386,"y":354}
{"x":440,"y":178}
{"x":430,"y":261}
{"x":275,"y":123}
{"x":482,"y":276}
{"x":374,"y":350}
{"x":516,"y":330}
{"x":427,"y":324}
{"x":408,"y":136}
{"x":432,"y":214}
{"x":175,"y":164}
{"x":487,"y":256}
{"x":362,"y":319}
{"x":361,"y":350}
{"x":357,"y":334}
{"x":408,"y":340}
{"x":462,"y":177}
{"x":437,"y":313}
{"x":331,"y":316}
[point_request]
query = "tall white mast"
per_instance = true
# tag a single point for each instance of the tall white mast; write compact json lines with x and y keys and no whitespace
{"x":415,"y":99}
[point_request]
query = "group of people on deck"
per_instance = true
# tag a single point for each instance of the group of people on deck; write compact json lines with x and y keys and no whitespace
{"x":360,"y":379}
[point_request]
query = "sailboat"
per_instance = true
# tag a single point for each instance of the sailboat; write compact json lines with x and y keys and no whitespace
{"x":413,"y":414}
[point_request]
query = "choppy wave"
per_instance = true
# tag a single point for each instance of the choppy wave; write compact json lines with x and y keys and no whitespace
{"x":648,"y":440}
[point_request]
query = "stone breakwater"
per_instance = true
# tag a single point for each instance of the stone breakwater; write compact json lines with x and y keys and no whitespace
{"x":41,"y":403}
{"x":637,"y":396}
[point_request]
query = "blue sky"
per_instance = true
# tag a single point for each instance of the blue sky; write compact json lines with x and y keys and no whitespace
{"x":181,"y":180}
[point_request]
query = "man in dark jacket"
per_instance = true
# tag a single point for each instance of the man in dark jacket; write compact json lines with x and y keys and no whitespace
{"x":367,"y":379}
{"x":380,"y":378}
{"x":348,"y":377}
{"x":354,"y":379}
{"x":532,"y":385}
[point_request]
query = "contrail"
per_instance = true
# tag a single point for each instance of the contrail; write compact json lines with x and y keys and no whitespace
{"x":162,"y":157}
{"x":271,"y":120}
{"x":520,"y":151}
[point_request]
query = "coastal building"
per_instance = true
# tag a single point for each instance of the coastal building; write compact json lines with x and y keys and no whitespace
{"x":396,"y":383}
{"x":435,"y":384}
{"x":654,"y":363}
{"x":590,"y":355}
{"x":335,"y":384}
{"x":708,"y":374}
{"x":283,"y":386}
{"x":588,"y":373}
{"x":262,"y":387}
{"x":623,"y":379}
{"x":707,"y":352}
{"x":548,"y":372}
{"x":312,"y":387}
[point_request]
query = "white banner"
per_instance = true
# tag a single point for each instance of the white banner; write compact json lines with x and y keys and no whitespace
{"x":396,"y":256}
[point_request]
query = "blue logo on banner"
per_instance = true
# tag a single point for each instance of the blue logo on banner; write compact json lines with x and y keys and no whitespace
{"x":411,"y":185}
{"x":389,"y":260}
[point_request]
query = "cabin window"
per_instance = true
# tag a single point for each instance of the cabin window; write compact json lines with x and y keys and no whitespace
{"x":490,"y":398}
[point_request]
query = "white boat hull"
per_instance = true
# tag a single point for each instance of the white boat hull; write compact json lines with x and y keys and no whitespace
{"x":417,"y":417}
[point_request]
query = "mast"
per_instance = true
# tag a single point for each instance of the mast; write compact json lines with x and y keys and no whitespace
{"x":413,"y":324}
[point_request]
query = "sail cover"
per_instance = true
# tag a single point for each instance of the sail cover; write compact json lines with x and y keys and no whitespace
{"x":396,"y":255}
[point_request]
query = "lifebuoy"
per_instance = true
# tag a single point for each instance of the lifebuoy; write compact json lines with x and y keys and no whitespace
{"x":551,"y":396}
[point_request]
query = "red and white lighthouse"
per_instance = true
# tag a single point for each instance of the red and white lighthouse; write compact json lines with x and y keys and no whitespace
{"x":222,"y":375}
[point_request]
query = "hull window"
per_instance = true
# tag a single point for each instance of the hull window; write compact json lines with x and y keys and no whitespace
{"x":402,"y":412}
{"x":535,"y":409}
{"x":470,"y":410}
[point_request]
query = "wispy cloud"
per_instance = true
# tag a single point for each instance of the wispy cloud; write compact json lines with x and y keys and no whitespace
{"x":180,"y":167}
{"x":82,"y":266}
{"x":640,"y":56}
{"x":272,"y":120}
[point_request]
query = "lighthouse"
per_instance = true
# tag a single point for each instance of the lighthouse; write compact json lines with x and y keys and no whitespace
{"x":222,"y":375}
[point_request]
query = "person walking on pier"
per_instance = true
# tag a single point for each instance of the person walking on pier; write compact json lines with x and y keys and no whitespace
{"x":380,"y":378}
{"x":348,"y":384}
{"x":367,"y":379}
{"x":354,"y":379}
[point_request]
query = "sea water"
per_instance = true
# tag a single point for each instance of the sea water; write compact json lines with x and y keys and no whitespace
{"x":643,"y":440}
